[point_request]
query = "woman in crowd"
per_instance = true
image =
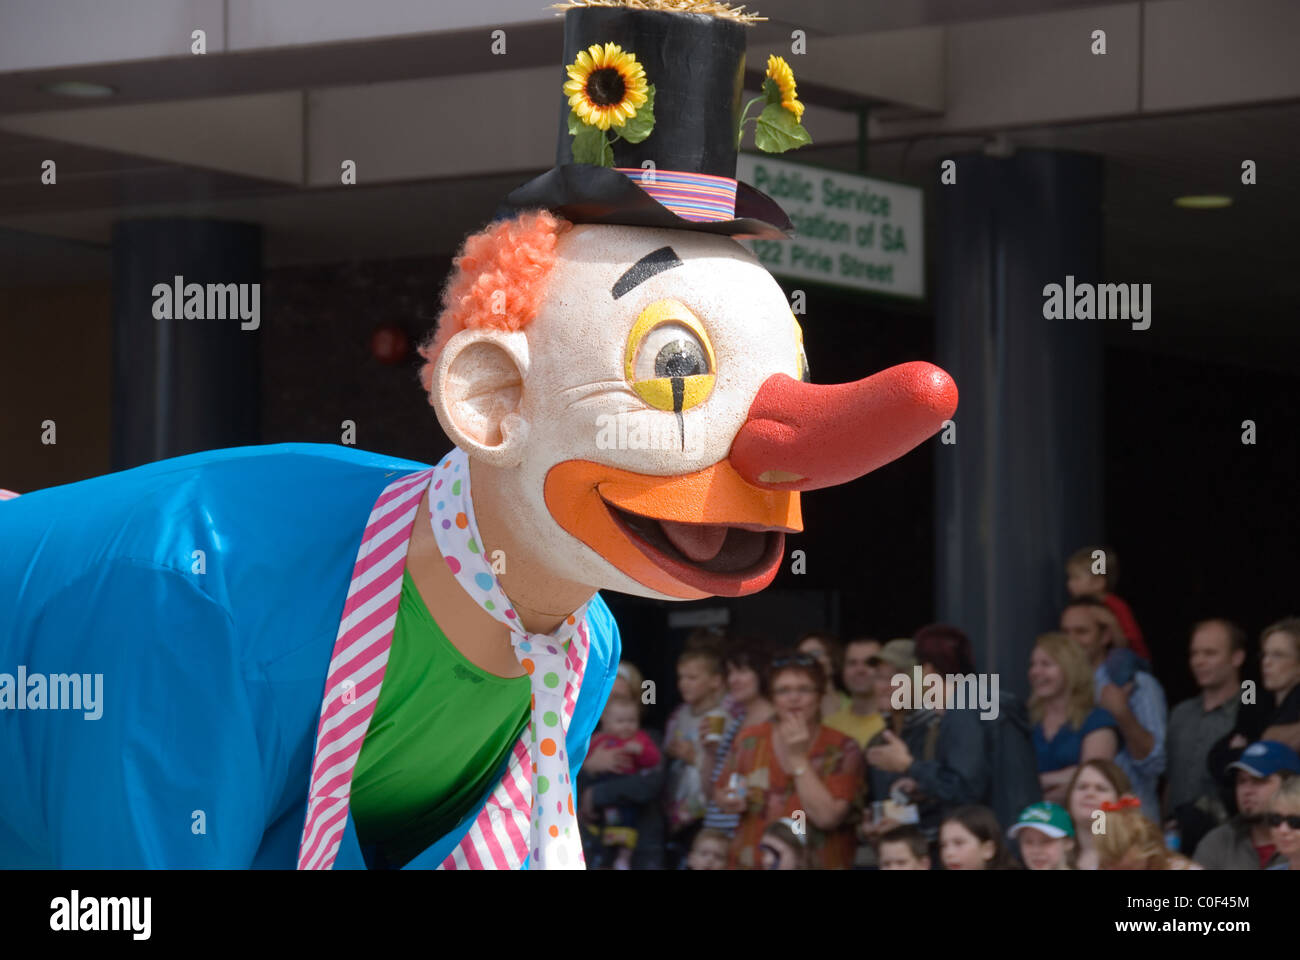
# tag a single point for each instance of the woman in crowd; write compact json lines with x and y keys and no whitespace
{"x":1279,"y":668}
{"x":970,"y":838}
{"x":1046,"y":835}
{"x":793,"y":766}
{"x":746,"y":661}
{"x":1129,"y":840}
{"x":1278,"y":704}
{"x":828,"y":650}
{"x":1095,"y":782}
{"x":1068,"y":727}
{"x":1284,"y":818}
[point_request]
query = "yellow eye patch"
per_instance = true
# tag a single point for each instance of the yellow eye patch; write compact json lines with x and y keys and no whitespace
{"x":669,"y":360}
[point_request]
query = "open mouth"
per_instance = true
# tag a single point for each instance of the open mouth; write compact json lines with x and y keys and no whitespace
{"x":723,"y":559}
{"x":688,"y":536}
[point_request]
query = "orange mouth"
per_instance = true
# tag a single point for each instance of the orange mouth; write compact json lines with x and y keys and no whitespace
{"x":691,"y":536}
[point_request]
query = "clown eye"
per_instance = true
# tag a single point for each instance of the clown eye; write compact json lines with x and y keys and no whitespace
{"x":669,"y":361}
{"x":671,"y":350}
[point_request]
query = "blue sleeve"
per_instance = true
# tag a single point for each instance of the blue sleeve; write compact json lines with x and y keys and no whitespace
{"x":1098,"y":719}
{"x":604,"y":651}
{"x":170,"y":774}
{"x":1147,"y":702}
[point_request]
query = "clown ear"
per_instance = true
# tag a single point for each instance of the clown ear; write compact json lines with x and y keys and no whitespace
{"x":477,"y":392}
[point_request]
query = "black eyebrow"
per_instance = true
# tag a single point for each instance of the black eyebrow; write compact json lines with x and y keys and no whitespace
{"x":657,"y":261}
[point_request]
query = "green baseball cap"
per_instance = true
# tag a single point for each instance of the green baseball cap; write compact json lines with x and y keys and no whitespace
{"x":1051,"y":818}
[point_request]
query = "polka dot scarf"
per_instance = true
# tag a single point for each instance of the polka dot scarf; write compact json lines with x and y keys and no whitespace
{"x":554,"y":841}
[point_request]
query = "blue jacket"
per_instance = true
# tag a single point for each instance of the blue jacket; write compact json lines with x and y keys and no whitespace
{"x":207,"y":591}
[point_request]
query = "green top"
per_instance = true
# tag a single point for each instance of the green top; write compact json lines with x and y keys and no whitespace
{"x":441,"y":729}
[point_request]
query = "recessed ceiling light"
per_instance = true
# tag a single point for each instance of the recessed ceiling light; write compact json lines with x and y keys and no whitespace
{"x":1206,"y":202}
{"x":78,"y":88}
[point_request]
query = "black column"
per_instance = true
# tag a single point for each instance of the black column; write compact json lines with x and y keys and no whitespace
{"x":182,"y":385}
{"x":1021,"y":488}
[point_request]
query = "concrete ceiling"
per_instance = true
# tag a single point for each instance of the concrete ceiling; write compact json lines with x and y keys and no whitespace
{"x":1238,"y":262}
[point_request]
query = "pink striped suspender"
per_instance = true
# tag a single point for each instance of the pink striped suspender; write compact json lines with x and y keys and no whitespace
{"x":357,"y":667}
{"x":498,"y":838}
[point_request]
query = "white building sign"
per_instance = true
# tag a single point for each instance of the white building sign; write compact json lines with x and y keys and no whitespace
{"x":850,"y":231}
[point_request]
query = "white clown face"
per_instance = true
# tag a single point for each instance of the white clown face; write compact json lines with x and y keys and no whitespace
{"x":644,"y":458}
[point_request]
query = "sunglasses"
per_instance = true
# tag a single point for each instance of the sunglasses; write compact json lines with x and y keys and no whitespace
{"x":1276,"y":820}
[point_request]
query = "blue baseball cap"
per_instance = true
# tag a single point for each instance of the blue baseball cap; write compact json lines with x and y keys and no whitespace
{"x":1266,"y":758}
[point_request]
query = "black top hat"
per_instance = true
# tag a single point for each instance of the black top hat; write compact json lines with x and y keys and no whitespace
{"x":672,"y":163}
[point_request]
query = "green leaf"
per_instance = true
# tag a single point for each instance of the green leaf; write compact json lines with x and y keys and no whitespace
{"x":575,"y":122}
{"x":772,"y":90}
{"x":639,"y":127}
{"x":590,"y":146}
{"x":778,"y":131}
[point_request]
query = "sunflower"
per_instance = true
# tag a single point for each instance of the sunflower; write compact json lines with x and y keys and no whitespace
{"x":779,"y":71}
{"x":605,"y":86}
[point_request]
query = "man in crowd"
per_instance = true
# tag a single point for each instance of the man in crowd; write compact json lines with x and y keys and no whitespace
{"x":862,"y":719}
{"x":916,"y":731}
{"x":1245,"y":842}
{"x":1192,"y":801}
{"x":948,"y":763}
{"x":1138,"y":705}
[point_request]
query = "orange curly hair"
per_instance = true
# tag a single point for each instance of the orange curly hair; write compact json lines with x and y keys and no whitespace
{"x":499,"y":281}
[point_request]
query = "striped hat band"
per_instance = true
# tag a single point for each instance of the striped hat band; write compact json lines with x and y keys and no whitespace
{"x":699,"y":197}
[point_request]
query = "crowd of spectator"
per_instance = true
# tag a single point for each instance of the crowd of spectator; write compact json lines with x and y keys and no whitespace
{"x":808,"y":758}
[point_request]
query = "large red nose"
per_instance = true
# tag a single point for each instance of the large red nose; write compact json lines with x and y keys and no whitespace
{"x":803,"y":436}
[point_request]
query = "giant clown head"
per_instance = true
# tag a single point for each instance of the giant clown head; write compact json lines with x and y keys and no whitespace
{"x":622,"y":365}
{"x":646,"y":391}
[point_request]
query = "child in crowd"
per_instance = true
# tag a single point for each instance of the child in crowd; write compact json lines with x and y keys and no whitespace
{"x":709,"y":851}
{"x":1080,"y":581}
{"x":620,"y":729}
{"x":1094,"y":783}
{"x":970,"y":838}
{"x":903,"y":848}
{"x":1130,"y":841}
{"x":1046,"y":837}
{"x":694,"y":730}
{"x":782,"y":848}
